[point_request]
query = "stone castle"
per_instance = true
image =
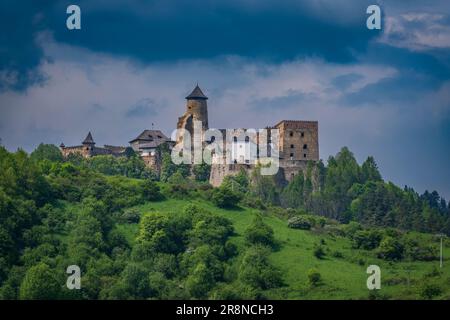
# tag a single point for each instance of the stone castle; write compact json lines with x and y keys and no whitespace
{"x":298,"y":143}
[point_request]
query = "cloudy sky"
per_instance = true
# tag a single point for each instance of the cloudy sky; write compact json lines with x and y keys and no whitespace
{"x":382,"y":93}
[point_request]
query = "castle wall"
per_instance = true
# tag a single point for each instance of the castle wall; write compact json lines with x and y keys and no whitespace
{"x":81,"y":150}
{"x":299,"y":140}
{"x":220,"y":171}
{"x":152,"y":161}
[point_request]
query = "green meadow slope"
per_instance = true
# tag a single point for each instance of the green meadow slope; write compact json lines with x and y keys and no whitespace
{"x":343,"y":268}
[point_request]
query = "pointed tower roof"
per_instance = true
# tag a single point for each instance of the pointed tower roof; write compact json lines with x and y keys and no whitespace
{"x":197,"y":94}
{"x":89,"y":139}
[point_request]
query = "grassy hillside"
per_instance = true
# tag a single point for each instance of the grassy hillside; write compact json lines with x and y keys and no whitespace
{"x":343,"y":269}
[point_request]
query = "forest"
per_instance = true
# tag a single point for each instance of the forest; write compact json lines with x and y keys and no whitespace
{"x":136,"y":234}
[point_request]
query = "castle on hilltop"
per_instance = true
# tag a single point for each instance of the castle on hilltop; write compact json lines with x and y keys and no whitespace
{"x":297,"y":143}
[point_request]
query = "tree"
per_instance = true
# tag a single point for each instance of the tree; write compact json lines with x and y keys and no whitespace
{"x":155,"y":233}
{"x":168,"y":168}
{"x":47,"y":152}
{"x":342,"y":172}
{"x":292,"y":195}
{"x":390,"y":249}
{"x":366,"y":239}
{"x":201,"y":171}
{"x":40,"y":283}
{"x":225,"y":197}
{"x":259,"y":232}
{"x":299,"y":222}
{"x":256,"y":270}
{"x":265,"y":187}
{"x":151,"y":190}
{"x":369,"y":170}
{"x":200,"y":281}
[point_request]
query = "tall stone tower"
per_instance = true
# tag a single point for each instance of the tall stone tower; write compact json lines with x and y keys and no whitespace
{"x":196,"y":105}
{"x":196,"y":110}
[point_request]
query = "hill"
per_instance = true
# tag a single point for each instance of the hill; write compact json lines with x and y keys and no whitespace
{"x":343,"y":269}
{"x":136,"y":235}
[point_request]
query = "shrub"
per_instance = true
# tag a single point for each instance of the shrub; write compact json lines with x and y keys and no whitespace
{"x":259,"y":233}
{"x":416,"y":251}
{"x":299,"y":222}
{"x":201,"y":172}
{"x":390,"y":249}
{"x":337,"y":254}
{"x":256,"y":270}
{"x":150,"y":190}
{"x":367,"y":239}
{"x":224,"y":197}
{"x":314,"y":277}
{"x":429,"y":291}
{"x":319,"y":253}
{"x":39,"y":283}
{"x":351,"y":228}
{"x":130,"y":216}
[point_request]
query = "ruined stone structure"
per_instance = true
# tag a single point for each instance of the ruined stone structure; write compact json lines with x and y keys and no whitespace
{"x":298,"y":143}
{"x":88,"y":149}
{"x":240,"y":149}
{"x":196,"y":111}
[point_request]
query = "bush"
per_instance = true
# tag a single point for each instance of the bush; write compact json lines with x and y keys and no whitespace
{"x":130,"y":216}
{"x":299,"y":222}
{"x":314,"y":277}
{"x":39,"y":283}
{"x":150,"y":190}
{"x":224,"y":197}
{"x":415,"y":251}
{"x":201,"y":172}
{"x":46,"y":152}
{"x":390,"y":249}
{"x":319,"y":252}
{"x":366,"y":239}
{"x":256,"y":270}
{"x":429,"y":291}
{"x":351,"y":228}
{"x":259,"y":233}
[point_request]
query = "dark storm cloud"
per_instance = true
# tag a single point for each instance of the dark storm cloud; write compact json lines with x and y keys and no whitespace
{"x":171,"y":30}
{"x":291,"y":99}
{"x":383,"y":94}
{"x":142,"y":108}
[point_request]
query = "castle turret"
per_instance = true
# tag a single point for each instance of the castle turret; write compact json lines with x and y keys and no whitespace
{"x":197,"y":106}
{"x":89,"y":141}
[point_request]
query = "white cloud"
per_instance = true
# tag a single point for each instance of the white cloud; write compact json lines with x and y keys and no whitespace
{"x":89,"y":91}
{"x":417,"y":31}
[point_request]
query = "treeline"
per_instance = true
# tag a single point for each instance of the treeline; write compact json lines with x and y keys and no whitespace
{"x":345,"y":191}
{"x":57,"y":212}
{"x":54,"y":214}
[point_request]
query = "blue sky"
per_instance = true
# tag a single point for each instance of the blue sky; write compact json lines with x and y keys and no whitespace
{"x":382,"y":93}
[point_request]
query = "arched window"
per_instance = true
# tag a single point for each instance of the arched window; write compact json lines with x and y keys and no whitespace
{"x":247,"y":139}
{"x":235,"y":139}
{"x":305,"y":146}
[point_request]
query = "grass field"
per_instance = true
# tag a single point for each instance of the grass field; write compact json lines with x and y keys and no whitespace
{"x":343,"y":269}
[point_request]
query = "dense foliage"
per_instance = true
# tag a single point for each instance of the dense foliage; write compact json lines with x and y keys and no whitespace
{"x":57,"y":212}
